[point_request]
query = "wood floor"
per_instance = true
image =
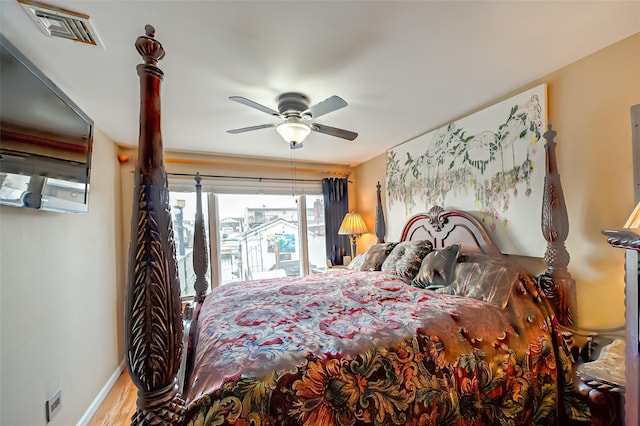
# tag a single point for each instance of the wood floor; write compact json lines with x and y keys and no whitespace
{"x":119,"y":405}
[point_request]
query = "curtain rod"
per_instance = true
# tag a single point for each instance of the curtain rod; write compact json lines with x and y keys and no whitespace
{"x":259,"y":179}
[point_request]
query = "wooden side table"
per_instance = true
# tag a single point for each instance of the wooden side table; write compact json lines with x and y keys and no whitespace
{"x":605,"y":401}
{"x":599,"y":357}
{"x":602,"y":383}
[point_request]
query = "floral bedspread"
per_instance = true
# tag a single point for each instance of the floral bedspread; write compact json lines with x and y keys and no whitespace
{"x":366,"y":348}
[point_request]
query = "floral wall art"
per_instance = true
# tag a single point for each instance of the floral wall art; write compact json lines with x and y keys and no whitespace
{"x":490,"y":164}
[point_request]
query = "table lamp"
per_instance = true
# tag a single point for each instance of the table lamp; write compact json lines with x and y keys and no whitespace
{"x":354,"y":226}
{"x":634,"y":220}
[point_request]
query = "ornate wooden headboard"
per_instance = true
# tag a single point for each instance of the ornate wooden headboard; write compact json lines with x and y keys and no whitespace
{"x":443,"y":227}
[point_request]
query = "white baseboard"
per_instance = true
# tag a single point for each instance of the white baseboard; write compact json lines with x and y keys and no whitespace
{"x":101,"y":396}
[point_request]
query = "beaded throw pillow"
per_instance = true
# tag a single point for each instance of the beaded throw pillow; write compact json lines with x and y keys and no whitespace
{"x":406,"y":257}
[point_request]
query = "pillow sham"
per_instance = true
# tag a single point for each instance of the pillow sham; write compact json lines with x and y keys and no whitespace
{"x":437,"y":268}
{"x":406,"y":257}
{"x":376,"y":255}
{"x":487,"y":278}
{"x":356,"y":263}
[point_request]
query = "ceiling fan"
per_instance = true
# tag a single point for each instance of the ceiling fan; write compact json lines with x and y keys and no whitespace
{"x":294,"y":109}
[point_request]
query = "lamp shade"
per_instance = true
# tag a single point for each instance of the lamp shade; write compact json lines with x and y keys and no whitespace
{"x":634,"y":220}
{"x":353,"y":224}
{"x":293,"y":131}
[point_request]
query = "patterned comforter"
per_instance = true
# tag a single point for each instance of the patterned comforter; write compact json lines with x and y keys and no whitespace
{"x":366,"y":348}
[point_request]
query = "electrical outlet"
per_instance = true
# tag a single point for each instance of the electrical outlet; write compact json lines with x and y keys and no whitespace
{"x":53,"y":405}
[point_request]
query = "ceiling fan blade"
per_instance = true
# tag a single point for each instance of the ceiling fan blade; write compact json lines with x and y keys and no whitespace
{"x":332,"y":131}
{"x":328,"y":105}
{"x":248,"y":129}
{"x":255,"y":105}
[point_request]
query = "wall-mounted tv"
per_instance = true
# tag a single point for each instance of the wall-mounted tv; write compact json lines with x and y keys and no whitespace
{"x":45,"y":140}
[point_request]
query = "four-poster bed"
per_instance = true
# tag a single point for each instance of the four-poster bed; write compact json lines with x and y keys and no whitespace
{"x":355,"y":347}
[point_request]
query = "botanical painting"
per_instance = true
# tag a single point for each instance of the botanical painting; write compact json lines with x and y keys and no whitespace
{"x":490,"y":164}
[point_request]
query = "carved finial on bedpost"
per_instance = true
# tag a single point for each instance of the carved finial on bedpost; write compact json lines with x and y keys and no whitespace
{"x":555,"y":229}
{"x":153,"y":318}
{"x":148,"y":47}
{"x":200,"y":251}
{"x":151,"y":51}
{"x":381,"y":228}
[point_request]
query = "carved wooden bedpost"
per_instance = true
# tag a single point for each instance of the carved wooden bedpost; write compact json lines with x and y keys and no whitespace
{"x":153,"y":323}
{"x":200,"y":250}
{"x":555,"y":228}
{"x":381,"y":228}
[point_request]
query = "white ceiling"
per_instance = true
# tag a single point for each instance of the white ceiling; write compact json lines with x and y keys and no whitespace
{"x":403,"y":67}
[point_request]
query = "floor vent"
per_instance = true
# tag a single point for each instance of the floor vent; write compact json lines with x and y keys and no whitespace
{"x":57,"y":22}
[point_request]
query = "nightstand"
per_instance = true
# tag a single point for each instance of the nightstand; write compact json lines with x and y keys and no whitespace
{"x":600,"y":370}
{"x":602,"y":383}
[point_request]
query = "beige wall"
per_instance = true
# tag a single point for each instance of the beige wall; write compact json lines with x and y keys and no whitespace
{"x":366,"y":177}
{"x":589,"y":107}
{"x":60,"y":285}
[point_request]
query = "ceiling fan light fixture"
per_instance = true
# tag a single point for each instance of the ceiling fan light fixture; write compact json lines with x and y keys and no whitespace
{"x":294,"y":110}
{"x":293,"y":131}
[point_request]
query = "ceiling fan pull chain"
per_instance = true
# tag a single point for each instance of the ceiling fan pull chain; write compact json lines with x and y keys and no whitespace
{"x":293,"y":174}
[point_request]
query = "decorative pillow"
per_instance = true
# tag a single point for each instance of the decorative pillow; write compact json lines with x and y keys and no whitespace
{"x":487,"y":278}
{"x":356,"y":263}
{"x":437,"y":268}
{"x":406,"y":257}
{"x":376,"y":255}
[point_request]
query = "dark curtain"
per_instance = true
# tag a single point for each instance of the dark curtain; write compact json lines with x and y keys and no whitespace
{"x":336,"y":206}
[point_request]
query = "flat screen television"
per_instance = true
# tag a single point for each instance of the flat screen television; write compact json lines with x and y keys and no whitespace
{"x":45,"y":140}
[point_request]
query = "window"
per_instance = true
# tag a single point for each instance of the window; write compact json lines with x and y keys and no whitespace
{"x":183,"y":213}
{"x":316,"y":231}
{"x":259,"y":236}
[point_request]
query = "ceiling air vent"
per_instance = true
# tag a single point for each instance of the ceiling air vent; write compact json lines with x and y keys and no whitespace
{"x":57,"y":22}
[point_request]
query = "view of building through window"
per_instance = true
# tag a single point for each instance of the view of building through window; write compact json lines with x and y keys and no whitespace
{"x":259,"y":236}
